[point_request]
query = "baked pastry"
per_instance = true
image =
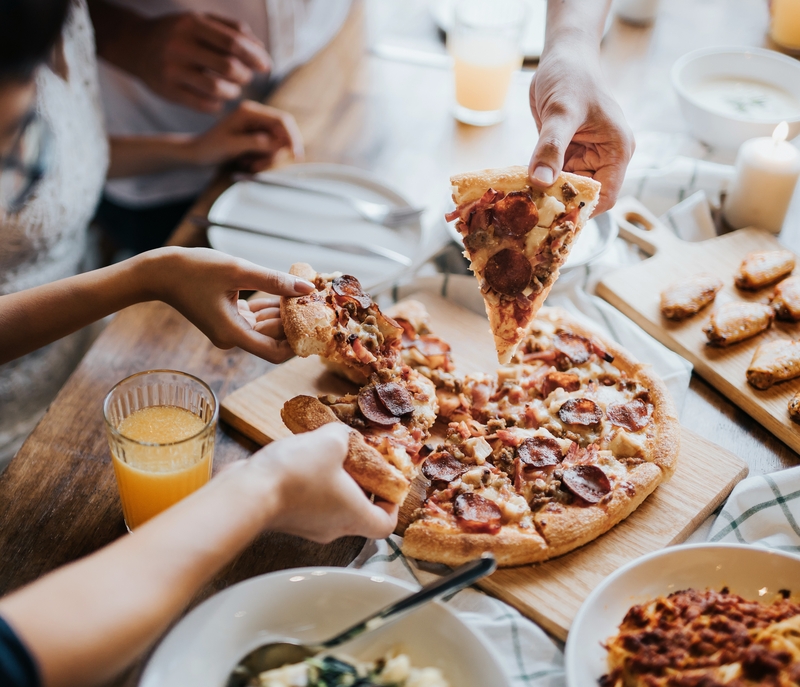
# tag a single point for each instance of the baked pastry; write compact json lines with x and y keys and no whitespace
{"x":786,"y":300}
{"x":516,"y":239}
{"x":687,"y":297}
{"x":763,"y":268}
{"x":734,"y":322}
{"x":773,"y":362}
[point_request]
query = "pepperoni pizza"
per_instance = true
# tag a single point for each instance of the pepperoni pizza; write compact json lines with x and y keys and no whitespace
{"x":516,"y":239}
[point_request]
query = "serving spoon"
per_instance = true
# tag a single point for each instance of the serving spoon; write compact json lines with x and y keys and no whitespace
{"x":277,"y":654}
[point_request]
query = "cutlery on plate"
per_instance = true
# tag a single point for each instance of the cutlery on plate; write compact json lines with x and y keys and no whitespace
{"x":367,"y":249}
{"x":277,"y":654}
{"x":379,"y":213}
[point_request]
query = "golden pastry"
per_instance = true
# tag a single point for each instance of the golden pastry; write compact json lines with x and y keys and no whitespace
{"x":786,"y":299}
{"x":763,"y":268}
{"x":687,"y":297}
{"x":773,"y":362}
{"x":794,"y":407}
{"x":737,"y":321}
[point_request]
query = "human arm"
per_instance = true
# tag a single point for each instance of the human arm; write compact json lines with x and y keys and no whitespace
{"x":254,"y":134}
{"x":126,"y":594}
{"x":581,"y":126}
{"x":200,"y":283}
{"x":197,"y":60}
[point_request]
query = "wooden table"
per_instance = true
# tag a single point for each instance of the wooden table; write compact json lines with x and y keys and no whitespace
{"x":58,"y":498}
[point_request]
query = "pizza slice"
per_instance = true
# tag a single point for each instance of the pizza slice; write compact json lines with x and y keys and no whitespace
{"x":340,"y":323}
{"x":390,"y":417}
{"x":516,"y":239}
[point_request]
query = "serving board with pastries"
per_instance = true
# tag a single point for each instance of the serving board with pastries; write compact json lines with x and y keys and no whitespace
{"x":637,"y":291}
{"x":551,"y":592}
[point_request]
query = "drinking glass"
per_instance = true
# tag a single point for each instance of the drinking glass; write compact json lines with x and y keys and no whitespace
{"x":485,"y":45}
{"x":161,"y":426}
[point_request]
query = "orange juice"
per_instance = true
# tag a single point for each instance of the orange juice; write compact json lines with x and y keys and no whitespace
{"x":483,"y":86}
{"x":785,"y":27}
{"x":167,"y":457}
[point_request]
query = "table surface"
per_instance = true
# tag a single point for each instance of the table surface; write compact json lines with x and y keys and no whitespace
{"x":391,"y":115}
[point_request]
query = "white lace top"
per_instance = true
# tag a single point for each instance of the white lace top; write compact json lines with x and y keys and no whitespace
{"x":46,"y":240}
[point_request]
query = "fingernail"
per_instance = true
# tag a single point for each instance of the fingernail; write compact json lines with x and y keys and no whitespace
{"x":303,"y":285}
{"x":544,"y":175}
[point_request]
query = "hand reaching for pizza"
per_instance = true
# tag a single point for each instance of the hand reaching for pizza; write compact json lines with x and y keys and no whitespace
{"x":317,"y":499}
{"x":581,"y":127}
{"x":204,"y":286}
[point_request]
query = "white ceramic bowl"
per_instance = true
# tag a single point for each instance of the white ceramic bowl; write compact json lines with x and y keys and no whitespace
{"x":729,"y":131}
{"x":749,"y":571}
{"x":313,"y":604}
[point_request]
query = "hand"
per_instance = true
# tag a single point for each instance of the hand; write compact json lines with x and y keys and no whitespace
{"x":253,"y":133}
{"x":199,"y":60}
{"x":203,"y":285}
{"x":318,"y":500}
{"x":581,"y":126}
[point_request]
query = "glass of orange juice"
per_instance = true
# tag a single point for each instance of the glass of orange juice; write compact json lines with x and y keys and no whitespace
{"x":161,"y":426}
{"x":485,"y":45}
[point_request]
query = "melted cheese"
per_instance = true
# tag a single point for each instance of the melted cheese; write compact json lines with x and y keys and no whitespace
{"x":627,"y":444}
{"x":549,"y":208}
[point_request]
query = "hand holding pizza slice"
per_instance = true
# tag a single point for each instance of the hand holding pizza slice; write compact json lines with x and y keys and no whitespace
{"x":516,"y":239}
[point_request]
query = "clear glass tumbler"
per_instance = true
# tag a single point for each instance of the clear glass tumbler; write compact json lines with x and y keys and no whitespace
{"x":161,"y":426}
{"x":485,"y":43}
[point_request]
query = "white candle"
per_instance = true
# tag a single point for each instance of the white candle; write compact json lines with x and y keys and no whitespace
{"x":766,"y":174}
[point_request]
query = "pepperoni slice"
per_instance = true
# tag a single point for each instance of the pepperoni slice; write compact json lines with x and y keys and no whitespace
{"x":480,"y":219}
{"x":396,"y":399}
{"x":560,"y":380}
{"x":508,"y":272}
{"x":370,"y":404}
{"x":348,"y":289}
{"x":633,"y":416}
{"x":577,"y":348}
{"x":477,"y":514}
{"x":442,"y":467}
{"x":515,"y":215}
{"x":587,"y":482}
{"x":580,"y":411}
{"x":538,"y":452}
{"x":431,"y":345}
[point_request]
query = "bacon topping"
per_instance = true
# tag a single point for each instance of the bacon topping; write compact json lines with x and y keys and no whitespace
{"x":508,"y":272}
{"x":515,"y":215}
{"x":348,"y":290}
{"x":633,"y":416}
{"x":560,"y":380}
{"x":361,"y":353}
{"x":477,"y":514}
{"x":395,"y":398}
{"x":463,"y":211}
{"x":580,"y":411}
{"x":538,"y":452}
{"x":587,"y":482}
{"x":575,"y":347}
{"x":509,"y":438}
{"x":370,"y":404}
{"x":442,"y":466}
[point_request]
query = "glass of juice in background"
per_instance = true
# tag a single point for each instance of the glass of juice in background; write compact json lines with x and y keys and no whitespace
{"x":485,"y":43}
{"x":161,"y":426}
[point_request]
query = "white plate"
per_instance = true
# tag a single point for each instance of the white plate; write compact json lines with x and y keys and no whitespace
{"x":298,"y":213}
{"x":595,"y":239}
{"x":312,"y":604}
{"x":749,"y":571}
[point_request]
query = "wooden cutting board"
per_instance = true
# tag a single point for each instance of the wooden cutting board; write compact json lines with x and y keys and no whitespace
{"x":550,"y":593}
{"x":636,"y":291}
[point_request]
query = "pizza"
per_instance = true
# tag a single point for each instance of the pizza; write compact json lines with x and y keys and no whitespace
{"x":712,"y":638}
{"x":516,"y":239}
{"x":545,"y":455}
{"x":340,"y":323}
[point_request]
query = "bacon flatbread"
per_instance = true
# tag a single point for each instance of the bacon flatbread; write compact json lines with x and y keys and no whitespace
{"x":516,"y":239}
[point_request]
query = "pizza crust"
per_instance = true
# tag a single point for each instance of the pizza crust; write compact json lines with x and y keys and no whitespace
{"x":364,"y":463}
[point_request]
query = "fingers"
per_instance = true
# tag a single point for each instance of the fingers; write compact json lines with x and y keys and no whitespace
{"x":255,"y":278}
{"x":256,"y":304}
{"x":209,"y":86}
{"x":263,"y":346}
{"x":190,"y":98}
{"x":547,"y":161}
{"x":272,"y":328}
{"x":226,"y":38}
{"x":380,"y":521}
{"x":267,"y":314}
{"x":280,"y":125}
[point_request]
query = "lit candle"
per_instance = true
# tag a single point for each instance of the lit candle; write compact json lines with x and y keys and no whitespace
{"x":766,"y":174}
{"x":785,"y":26}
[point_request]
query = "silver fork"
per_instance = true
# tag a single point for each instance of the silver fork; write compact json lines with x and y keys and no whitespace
{"x":379,"y":213}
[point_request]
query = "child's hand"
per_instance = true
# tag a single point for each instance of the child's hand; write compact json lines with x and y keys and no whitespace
{"x":204,"y":285}
{"x":317,"y":499}
{"x":253,"y":134}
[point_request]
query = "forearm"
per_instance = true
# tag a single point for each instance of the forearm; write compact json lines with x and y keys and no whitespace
{"x":575,"y":24}
{"x":35,"y":317}
{"x":118,"y":34}
{"x":135,"y":155}
{"x":87,"y":621}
